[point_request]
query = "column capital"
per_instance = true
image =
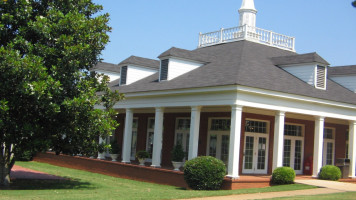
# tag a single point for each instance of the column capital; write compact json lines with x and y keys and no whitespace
{"x":159,"y":109}
{"x":352,"y":122}
{"x":196,"y":108}
{"x":236,"y":107}
{"x":280,"y":113}
{"x":321,"y":118}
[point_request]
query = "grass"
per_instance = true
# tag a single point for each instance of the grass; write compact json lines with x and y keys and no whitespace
{"x":87,"y":185}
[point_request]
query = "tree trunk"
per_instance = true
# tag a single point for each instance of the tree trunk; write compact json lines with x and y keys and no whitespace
{"x":6,"y":163}
{"x":4,"y":175}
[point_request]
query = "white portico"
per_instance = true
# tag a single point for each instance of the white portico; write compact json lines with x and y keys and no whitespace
{"x":243,"y":96}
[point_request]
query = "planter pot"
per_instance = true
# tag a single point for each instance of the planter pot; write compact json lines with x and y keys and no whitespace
{"x":142,"y":161}
{"x":101,"y":156}
{"x":114,"y":157}
{"x":177,"y":165}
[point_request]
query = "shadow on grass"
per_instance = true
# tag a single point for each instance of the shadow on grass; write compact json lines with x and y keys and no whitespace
{"x":31,"y":184}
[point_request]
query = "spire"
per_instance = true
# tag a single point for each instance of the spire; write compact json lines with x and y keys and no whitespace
{"x":248,"y":13}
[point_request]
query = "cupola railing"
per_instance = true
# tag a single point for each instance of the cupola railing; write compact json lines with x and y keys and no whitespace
{"x":249,"y":33}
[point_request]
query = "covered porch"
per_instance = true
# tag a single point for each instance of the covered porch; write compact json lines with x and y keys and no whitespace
{"x":253,"y":131}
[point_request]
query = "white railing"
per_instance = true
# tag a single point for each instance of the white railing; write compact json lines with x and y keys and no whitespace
{"x":247,"y":33}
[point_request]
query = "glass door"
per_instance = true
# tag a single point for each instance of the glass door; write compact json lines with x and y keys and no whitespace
{"x":219,"y":139}
{"x":292,"y":154}
{"x":255,"y":154}
{"x":256,"y":147}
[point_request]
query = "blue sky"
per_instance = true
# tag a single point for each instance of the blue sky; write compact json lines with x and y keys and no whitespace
{"x":146,"y":28}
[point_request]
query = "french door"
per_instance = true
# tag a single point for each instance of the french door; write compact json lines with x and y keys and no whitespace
{"x":293,"y":153}
{"x":218,"y":146}
{"x":255,"y":153}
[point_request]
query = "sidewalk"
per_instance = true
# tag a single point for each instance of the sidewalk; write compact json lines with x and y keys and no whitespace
{"x":326,"y":187}
{"x":18,"y":172}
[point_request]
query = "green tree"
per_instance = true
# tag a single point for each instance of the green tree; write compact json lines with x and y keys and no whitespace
{"x":354,"y":3}
{"x":48,"y":96}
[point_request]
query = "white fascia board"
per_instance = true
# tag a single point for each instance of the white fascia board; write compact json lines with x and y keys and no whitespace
{"x":277,"y":94}
{"x":245,"y":96}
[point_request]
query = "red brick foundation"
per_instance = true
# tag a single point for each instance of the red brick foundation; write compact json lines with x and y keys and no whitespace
{"x":142,"y":173}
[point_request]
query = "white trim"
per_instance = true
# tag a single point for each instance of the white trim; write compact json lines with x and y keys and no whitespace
{"x":318,"y":145}
{"x":278,"y":139}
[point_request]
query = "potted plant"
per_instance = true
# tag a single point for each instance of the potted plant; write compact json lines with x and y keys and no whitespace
{"x":141,"y":156}
{"x":177,"y":156}
{"x":114,"y":150}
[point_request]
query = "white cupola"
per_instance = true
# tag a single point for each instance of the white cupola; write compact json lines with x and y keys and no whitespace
{"x":248,"y":13}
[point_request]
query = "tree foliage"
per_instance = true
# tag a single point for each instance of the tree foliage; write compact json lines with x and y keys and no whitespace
{"x":47,"y":92}
{"x":354,"y":3}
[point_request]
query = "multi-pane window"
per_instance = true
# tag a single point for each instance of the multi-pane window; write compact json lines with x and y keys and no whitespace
{"x":212,"y":145}
{"x":347,"y":145}
{"x":134,"y":138}
{"x":286,"y":153}
{"x":182,"y":133}
{"x":298,"y":155}
{"x":150,"y":135}
{"x":220,"y":124}
{"x":292,"y":130}
{"x":256,"y":126}
{"x":328,"y":133}
{"x":329,"y":146}
{"x":249,"y":152}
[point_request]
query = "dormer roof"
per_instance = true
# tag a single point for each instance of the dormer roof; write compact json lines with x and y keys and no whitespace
{"x":144,"y":62}
{"x":185,"y":54}
{"x":104,"y":66}
{"x":299,"y":59}
{"x":342,"y":70}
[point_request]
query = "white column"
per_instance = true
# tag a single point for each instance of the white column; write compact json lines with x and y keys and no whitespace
{"x":278,"y":140}
{"x":101,"y":156}
{"x":318,"y":145}
{"x":126,"y":149}
{"x":352,"y":148}
{"x":157,"y":139}
{"x":194,"y":132}
{"x":234,"y":146}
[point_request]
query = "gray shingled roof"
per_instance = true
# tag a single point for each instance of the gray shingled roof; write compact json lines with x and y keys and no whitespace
{"x":299,"y":59}
{"x":145,"y":62}
{"x":106,"y":67}
{"x":342,"y":70}
{"x":242,"y":63}
{"x":186,"y":54}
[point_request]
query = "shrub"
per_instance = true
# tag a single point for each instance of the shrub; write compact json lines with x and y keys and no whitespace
{"x":283,"y":175}
{"x":204,"y":173}
{"x":142,"y":154}
{"x":330,"y":172}
{"x":25,"y":156}
{"x":177,"y":153}
{"x":114,"y":147}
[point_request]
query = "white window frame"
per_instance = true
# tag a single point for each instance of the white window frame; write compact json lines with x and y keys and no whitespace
{"x":325,"y":141}
{"x":293,"y":139}
{"x":134,"y":130}
{"x":256,"y":135}
{"x":185,"y":135}
{"x":147,"y":137}
{"x":219,"y":134}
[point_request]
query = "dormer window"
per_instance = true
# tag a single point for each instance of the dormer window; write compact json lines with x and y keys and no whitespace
{"x":163,"y":73}
{"x":320,"y":77}
{"x":123,"y":75}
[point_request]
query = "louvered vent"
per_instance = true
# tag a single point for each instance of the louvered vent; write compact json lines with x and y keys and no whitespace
{"x":164,"y":70}
{"x":123,"y":75}
{"x":321,"y":77}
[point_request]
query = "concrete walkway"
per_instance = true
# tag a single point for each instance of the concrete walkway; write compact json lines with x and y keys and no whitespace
{"x":326,"y":187}
{"x":18,"y":172}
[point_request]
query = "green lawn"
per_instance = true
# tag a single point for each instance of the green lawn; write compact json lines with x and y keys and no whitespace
{"x":86,"y":185}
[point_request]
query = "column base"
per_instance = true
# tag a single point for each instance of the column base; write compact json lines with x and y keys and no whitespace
{"x":126,"y":162}
{"x":233,"y":177}
{"x":156,"y":166}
